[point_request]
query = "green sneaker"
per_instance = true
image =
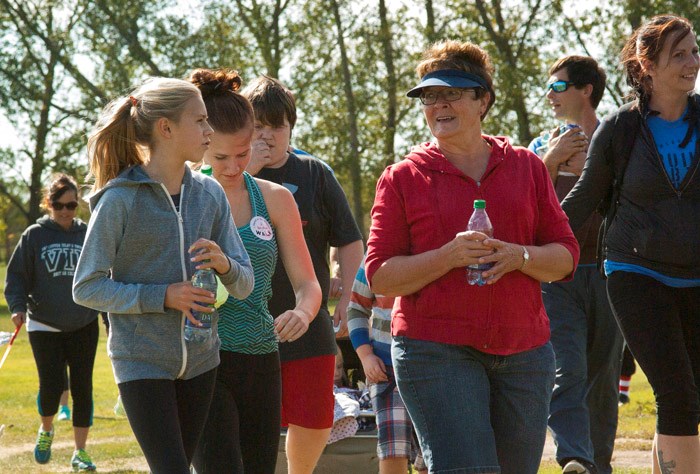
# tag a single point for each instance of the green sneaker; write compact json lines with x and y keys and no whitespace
{"x":81,"y":461}
{"x":42,"y":450}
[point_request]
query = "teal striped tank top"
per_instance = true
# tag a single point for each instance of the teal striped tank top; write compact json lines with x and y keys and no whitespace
{"x":246,"y":326}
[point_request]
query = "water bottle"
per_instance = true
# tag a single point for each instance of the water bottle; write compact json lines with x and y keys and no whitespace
{"x":563,"y":128}
{"x":479,"y":221}
{"x":203,"y":278}
{"x":544,"y":144}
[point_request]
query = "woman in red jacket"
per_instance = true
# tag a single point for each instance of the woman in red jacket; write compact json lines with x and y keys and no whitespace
{"x":473,"y":363}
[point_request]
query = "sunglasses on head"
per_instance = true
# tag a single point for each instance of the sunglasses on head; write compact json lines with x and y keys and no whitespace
{"x":58,"y":206}
{"x":559,"y":86}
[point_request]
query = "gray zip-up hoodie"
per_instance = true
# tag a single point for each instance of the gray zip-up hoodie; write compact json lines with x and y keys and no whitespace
{"x":136,"y":245}
{"x":40,"y":275}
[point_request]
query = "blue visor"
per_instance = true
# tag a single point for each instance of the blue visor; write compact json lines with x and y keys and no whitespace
{"x":448,"y":78}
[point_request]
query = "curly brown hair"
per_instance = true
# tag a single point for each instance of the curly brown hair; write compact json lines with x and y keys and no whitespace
{"x":463,"y":56}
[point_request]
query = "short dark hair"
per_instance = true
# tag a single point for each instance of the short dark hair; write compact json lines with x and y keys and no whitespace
{"x":583,"y":70}
{"x":272,"y":101}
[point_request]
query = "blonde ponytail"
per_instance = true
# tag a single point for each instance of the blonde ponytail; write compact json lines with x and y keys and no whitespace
{"x":124,"y":132}
{"x":112,"y":147}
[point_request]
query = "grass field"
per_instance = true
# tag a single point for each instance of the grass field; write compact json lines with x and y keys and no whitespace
{"x":113,"y":447}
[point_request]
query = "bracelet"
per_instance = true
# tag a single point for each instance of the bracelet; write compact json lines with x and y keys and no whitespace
{"x":526,"y":257}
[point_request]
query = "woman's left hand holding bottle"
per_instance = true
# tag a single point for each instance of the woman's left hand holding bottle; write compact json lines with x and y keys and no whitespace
{"x":208,"y":254}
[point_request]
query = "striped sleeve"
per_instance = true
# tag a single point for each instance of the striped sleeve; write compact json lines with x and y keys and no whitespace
{"x":360,"y":309}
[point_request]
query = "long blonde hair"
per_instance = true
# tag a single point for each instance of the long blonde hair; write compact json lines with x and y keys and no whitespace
{"x":124,"y":132}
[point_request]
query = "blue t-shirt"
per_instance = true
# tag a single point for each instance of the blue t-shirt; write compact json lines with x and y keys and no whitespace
{"x":668,"y":137}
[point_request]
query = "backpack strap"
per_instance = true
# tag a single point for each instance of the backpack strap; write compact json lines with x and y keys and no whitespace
{"x":625,"y":130}
{"x":628,"y":123}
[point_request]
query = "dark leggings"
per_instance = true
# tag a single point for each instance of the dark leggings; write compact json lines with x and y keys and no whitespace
{"x":167,"y":417}
{"x":52,"y":352}
{"x":661,"y":325}
{"x":243,"y":429}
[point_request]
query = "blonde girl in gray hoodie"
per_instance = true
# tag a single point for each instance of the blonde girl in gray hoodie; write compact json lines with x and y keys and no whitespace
{"x":153,"y":224}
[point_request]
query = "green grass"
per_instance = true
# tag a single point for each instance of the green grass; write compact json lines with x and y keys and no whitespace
{"x":111,"y":443}
{"x":113,"y":447}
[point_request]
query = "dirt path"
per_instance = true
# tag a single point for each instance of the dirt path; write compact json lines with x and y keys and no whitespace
{"x":621,"y":457}
{"x":17,"y":449}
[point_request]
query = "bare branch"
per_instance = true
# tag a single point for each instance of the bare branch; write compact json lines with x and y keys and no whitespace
{"x":31,"y":27}
{"x":130,"y":35}
{"x":534,"y":11}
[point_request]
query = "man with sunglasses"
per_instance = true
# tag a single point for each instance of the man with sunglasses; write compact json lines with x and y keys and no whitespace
{"x":587,"y":342}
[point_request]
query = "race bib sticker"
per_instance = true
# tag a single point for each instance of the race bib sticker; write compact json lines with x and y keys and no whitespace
{"x":261,"y":228}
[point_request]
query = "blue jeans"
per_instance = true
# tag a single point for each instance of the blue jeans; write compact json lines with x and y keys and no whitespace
{"x":588,"y":347}
{"x":475,"y":412}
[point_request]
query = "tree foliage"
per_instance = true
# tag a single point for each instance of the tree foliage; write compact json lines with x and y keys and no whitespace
{"x":348,"y":62}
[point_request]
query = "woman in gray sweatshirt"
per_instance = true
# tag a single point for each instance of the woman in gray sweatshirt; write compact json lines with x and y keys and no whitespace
{"x":153,"y":224}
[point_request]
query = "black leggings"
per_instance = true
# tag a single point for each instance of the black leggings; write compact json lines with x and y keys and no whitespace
{"x":243,"y":429}
{"x":661,"y":325}
{"x":52,"y":352}
{"x":167,"y":417}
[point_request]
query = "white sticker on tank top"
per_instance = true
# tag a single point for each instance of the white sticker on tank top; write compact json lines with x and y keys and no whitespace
{"x":261,"y":228}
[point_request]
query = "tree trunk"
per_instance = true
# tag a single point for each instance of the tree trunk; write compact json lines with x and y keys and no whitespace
{"x":42,"y":131}
{"x":502,"y":41}
{"x":430,"y":33}
{"x":391,"y":79}
{"x":354,"y":159}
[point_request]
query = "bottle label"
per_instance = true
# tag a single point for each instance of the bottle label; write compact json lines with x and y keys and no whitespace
{"x":204,"y":318}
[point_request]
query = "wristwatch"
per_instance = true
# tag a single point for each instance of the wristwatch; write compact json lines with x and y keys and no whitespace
{"x":526,"y":257}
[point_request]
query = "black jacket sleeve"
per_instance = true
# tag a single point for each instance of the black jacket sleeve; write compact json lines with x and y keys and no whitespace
{"x":18,"y":279}
{"x":596,"y":178}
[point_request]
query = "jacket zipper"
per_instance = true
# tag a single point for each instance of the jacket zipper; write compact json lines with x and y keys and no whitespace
{"x":184,"y":272}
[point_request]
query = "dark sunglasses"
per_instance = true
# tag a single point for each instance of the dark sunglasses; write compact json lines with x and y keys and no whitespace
{"x":58,"y":206}
{"x":559,"y":86}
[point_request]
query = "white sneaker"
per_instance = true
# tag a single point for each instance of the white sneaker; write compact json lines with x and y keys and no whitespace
{"x":64,"y":413}
{"x":119,"y":408}
{"x":576,"y":467}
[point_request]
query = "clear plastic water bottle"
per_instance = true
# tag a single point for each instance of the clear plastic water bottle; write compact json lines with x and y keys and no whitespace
{"x":203,"y":278}
{"x":480,"y":222}
{"x":544,"y":144}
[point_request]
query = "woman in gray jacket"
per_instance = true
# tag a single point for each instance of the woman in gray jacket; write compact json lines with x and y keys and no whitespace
{"x":153,"y":224}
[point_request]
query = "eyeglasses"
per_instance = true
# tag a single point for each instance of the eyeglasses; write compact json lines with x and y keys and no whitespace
{"x":559,"y":86}
{"x":58,"y":206}
{"x":448,"y":95}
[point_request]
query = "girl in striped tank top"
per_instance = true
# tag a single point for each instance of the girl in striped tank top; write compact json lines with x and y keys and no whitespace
{"x":242,"y":431}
